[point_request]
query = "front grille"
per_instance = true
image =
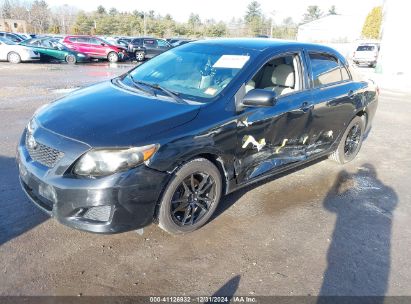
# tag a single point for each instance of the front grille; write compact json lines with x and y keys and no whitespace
{"x":43,"y":154}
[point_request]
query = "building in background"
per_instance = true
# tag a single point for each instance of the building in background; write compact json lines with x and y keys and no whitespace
{"x":331,"y":29}
{"x":395,"y":44}
{"x":13,"y":25}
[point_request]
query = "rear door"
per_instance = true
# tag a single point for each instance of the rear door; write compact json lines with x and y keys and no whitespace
{"x":334,"y":96}
{"x":151,"y":47}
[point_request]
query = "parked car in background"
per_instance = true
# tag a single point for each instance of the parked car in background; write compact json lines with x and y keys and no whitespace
{"x":181,"y":42}
{"x":366,"y":54}
{"x":14,"y":53}
{"x":147,"y":47}
{"x":12,"y":36}
{"x":52,"y":49}
{"x":27,"y":36}
{"x":165,"y":141}
{"x":96,"y":47}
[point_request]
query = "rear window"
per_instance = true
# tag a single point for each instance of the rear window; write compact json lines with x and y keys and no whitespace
{"x":325,"y":69}
{"x":366,"y":48}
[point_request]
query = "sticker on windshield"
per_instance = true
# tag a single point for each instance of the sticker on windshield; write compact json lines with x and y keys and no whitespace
{"x":231,"y":61}
{"x":210,"y":91}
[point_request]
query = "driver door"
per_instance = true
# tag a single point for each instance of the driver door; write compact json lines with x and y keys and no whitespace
{"x":271,"y":138}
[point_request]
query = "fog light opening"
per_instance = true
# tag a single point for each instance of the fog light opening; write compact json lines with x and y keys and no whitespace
{"x":98,"y":213}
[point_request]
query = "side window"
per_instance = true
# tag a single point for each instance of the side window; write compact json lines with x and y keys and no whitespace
{"x":150,"y":42}
{"x":325,"y":69}
{"x":94,"y":41}
{"x":162,"y":43}
{"x":12,"y":38}
{"x":136,"y":42}
{"x":82,"y":40}
{"x":73,"y":39}
{"x":281,"y":75}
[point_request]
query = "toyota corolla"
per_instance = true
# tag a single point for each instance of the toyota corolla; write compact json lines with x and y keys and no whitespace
{"x":164,"y":142}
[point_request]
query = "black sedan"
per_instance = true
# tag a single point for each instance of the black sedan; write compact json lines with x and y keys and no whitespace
{"x":164,"y":142}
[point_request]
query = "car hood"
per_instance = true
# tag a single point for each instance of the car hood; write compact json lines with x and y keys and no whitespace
{"x":105,"y":115}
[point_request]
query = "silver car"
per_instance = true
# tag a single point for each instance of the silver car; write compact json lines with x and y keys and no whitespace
{"x":15,"y":53}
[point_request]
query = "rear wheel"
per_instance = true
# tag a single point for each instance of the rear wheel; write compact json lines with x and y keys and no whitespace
{"x":191,"y":197}
{"x":112,"y":57}
{"x":14,"y":57}
{"x":71,"y":59}
{"x":351,"y":141}
{"x":140,"y":56}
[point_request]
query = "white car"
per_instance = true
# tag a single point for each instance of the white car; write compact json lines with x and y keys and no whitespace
{"x":15,"y":53}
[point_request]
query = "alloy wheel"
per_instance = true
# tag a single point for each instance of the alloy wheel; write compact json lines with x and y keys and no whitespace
{"x":113,"y":57}
{"x":193,"y":199}
{"x":140,"y":56}
{"x":14,"y":58}
{"x":352,"y":141}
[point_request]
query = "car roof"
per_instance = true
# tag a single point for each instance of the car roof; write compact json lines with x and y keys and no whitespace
{"x":261,"y":44}
{"x":268,"y":44}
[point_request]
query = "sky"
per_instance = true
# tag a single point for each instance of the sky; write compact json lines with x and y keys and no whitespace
{"x":225,"y":10}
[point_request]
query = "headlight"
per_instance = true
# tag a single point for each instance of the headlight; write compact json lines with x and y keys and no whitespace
{"x":32,"y":125}
{"x":81,"y":55}
{"x":104,"y":162}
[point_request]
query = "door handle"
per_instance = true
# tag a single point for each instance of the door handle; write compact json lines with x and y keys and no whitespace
{"x":305,"y":106}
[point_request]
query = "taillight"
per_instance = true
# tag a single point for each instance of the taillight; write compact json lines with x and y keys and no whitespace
{"x":377,"y":89}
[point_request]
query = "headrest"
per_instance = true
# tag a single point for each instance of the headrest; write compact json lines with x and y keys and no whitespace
{"x":283,"y":75}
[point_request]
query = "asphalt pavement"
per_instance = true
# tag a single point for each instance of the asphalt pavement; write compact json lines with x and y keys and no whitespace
{"x":324,"y":229}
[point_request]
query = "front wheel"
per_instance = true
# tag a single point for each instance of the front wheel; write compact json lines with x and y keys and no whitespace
{"x":191,"y":197}
{"x":112,"y":57}
{"x":140,"y":56}
{"x":351,"y":141}
{"x":71,"y":59}
{"x":14,"y":57}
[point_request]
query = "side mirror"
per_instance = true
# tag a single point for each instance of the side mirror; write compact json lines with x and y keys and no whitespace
{"x":103,"y":44}
{"x":259,"y":98}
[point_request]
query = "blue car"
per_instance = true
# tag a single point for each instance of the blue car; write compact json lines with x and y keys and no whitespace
{"x":165,"y":141}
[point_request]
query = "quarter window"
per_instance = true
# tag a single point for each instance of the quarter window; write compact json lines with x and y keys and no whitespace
{"x":325,"y":69}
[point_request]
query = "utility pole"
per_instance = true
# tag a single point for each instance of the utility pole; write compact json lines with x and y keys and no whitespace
{"x":145,"y":23}
{"x":272,"y":23}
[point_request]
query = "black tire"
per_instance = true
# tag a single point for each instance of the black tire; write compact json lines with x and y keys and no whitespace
{"x":13,"y":57}
{"x":191,"y":197}
{"x":112,"y":57}
{"x":140,"y":56}
{"x":71,"y":59}
{"x":351,"y":141}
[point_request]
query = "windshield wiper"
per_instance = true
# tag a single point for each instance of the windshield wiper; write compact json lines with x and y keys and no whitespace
{"x":138,"y":85}
{"x":156,"y":86}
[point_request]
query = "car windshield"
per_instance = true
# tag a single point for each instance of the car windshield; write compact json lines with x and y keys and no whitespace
{"x":194,"y":71}
{"x":366,"y":48}
{"x":7,"y":41}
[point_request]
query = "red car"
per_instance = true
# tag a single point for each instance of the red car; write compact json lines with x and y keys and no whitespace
{"x":95,"y":47}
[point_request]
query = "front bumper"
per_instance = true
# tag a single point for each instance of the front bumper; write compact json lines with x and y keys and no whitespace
{"x":364,"y":60}
{"x":116,"y":203}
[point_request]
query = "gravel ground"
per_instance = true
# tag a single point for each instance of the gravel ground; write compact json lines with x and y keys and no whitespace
{"x":324,"y":229}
